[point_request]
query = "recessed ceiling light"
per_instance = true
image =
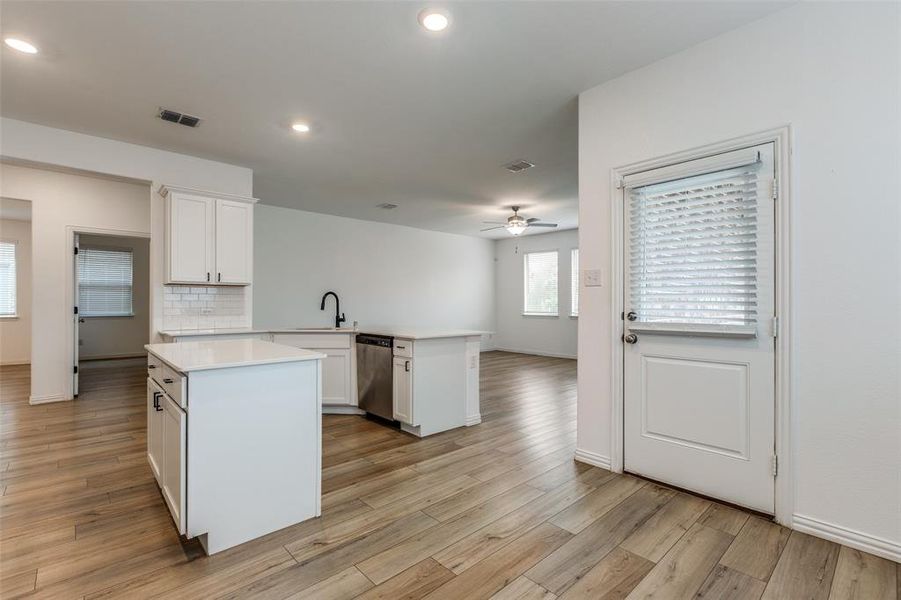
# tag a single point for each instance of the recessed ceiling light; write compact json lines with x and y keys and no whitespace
{"x":433,"y":20}
{"x":300,"y":127}
{"x":21,"y":45}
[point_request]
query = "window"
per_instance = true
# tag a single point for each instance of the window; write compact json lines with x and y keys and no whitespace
{"x":7,"y":279}
{"x":541,"y":283}
{"x":104,"y":282}
{"x":693,"y":250}
{"x":574,"y":283}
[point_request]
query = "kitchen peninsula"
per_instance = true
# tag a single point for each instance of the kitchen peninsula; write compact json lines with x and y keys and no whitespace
{"x":234,"y":436}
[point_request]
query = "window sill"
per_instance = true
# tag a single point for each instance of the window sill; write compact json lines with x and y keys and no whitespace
{"x":542,"y":315}
{"x":9,"y":317}
{"x":131,"y":316}
{"x":573,"y":316}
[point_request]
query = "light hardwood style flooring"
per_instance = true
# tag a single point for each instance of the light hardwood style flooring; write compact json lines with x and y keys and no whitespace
{"x":499,"y":510}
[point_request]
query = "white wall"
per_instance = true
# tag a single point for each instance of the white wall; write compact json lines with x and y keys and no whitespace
{"x":554,"y":336}
{"x":384,"y":274}
{"x":114,"y":337}
{"x":20,"y":141}
{"x":831,"y":71}
{"x":15,"y":334}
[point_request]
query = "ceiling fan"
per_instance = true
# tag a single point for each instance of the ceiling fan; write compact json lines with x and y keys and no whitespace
{"x":516,"y":224}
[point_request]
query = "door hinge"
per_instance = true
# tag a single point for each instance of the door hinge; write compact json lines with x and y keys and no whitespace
{"x":775,"y":189}
{"x":75,"y":310}
{"x":775,"y":327}
{"x":75,"y":369}
{"x":75,"y":249}
{"x":775,"y":465}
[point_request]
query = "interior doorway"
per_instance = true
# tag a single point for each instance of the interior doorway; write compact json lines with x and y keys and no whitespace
{"x":111,"y":316}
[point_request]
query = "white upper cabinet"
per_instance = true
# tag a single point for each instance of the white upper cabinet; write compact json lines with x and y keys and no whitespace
{"x":209,"y":238}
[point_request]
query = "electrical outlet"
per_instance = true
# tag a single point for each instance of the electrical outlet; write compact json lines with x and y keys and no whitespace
{"x":593,"y":277}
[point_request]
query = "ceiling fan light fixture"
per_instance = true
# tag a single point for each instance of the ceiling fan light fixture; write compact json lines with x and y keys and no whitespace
{"x":516,"y":228}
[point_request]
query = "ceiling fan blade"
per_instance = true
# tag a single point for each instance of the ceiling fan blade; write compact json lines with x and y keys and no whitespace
{"x":493,"y":228}
{"x":494,"y":222}
{"x":542,"y":224}
{"x":532,"y":220}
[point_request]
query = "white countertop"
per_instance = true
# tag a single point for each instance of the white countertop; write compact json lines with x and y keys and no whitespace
{"x":221,"y":354}
{"x":413,"y":333}
{"x":408,"y":333}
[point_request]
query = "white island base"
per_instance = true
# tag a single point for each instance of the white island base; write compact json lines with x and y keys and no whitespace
{"x":249,"y":437}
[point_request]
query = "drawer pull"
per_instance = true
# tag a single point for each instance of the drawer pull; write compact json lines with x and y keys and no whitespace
{"x":399,"y":347}
{"x":167,"y":380}
{"x":151,"y":366}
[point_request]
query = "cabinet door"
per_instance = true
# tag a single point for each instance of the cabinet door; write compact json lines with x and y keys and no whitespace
{"x":336,"y":388}
{"x":234,"y":242}
{"x":403,"y":390}
{"x":173,"y":470}
{"x":190,"y":238}
{"x":154,"y":429}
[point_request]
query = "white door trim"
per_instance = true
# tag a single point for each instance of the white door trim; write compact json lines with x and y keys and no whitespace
{"x":782,"y":139}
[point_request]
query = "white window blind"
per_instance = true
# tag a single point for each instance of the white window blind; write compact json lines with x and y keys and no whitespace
{"x":541,"y":283}
{"x":7,"y":279}
{"x":574,"y":283}
{"x":693,"y":249}
{"x":104,"y":282}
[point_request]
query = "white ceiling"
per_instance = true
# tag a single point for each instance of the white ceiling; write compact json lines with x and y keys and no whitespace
{"x":399,"y":115}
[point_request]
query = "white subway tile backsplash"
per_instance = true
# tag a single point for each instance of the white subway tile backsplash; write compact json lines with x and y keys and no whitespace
{"x":202,"y":307}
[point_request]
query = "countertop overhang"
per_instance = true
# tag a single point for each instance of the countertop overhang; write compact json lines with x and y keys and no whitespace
{"x":222,"y":354}
{"x":407,"y":333}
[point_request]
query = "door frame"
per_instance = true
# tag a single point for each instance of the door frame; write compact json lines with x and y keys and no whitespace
{"x":71,"y":232}
{"x":781,"y":137}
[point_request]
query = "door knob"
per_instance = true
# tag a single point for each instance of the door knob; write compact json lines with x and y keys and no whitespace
{"x":630,"y":338}
{"x":631,"y":315}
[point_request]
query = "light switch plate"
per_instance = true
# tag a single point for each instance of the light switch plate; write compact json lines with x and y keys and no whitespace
{"x":593,"y":277}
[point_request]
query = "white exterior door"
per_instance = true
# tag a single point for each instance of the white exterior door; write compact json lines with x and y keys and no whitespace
{"x":699,"y":327}
{"x":234,"y":242}
{"x":191,"y":232}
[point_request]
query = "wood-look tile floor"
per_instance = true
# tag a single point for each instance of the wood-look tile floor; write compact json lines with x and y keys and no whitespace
{"x":499,"y":510}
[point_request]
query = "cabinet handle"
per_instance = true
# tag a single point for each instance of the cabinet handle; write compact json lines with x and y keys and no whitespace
{"x":156,"y":401}
{"x":399,"y":347}
{"x":208,"y":276}
{"x":407,"y":365}
{"x":167,"y":380}
{"x":151,"y":366}
{"x":219,"y":277}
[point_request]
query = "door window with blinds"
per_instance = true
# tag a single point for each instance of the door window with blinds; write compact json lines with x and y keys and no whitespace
{"x":7,"y":279}
{"x":692,"y":245}
{"x":540,"y":279}
{"x":105,"y":282}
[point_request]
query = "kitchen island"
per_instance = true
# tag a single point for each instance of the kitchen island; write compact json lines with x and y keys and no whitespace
{"x":234,"y":436}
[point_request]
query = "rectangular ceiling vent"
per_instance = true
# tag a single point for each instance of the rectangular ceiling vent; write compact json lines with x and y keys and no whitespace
{"x":518,"y":166}
{"x":176,"y":117}
{"x":387,"y":206}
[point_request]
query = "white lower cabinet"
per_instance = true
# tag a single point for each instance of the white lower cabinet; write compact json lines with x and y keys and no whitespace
{"x":154,"y":428}
{"x":403,"y":390}
{"x":173,"y":471}
{"x":166,"y":449}
{"x":336,"y":376}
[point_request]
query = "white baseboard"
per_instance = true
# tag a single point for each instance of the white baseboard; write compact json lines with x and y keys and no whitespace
{"x":473,"y":419}
{"x":341,"y":410}
{"x":593,"y":459}
{"x":48,"y":399}
{"x":849,"y":537}
{"x":535,"y":352}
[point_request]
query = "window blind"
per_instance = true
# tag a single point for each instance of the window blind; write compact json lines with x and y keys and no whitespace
{"x":104,"y":282}
{"x":574,"y":283}
{"x":693,"y":249}
{"x":7,"y":279}
{"x":541,"y":283}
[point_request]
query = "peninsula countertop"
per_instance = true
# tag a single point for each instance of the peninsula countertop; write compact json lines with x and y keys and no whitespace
{"x":222,"y":354}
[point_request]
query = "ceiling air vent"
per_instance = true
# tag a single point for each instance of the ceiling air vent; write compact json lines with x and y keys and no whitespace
{"x":176,"y":117}
{"x":387,"y":205}
{"x":518,"y":166}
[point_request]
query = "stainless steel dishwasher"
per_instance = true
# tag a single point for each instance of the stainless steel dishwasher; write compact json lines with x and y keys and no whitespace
{"x":375,"y":384}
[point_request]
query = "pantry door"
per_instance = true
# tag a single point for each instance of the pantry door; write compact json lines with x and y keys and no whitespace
{"x":699,"y":326}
